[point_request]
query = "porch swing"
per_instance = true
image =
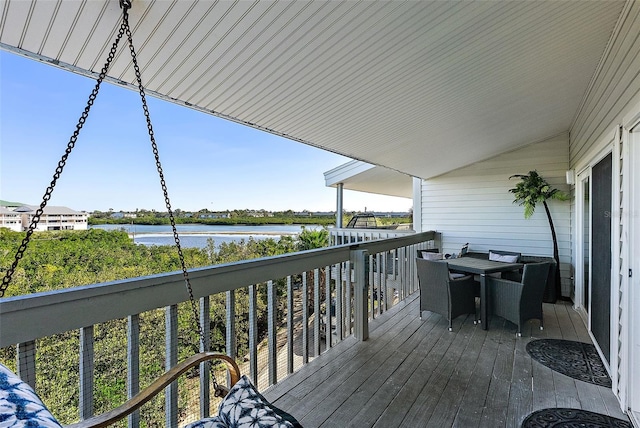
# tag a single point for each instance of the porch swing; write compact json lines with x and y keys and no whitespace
{"x":242,"y":404}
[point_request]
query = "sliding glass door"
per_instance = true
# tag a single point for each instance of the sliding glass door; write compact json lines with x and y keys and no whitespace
{"x":593,"y":270}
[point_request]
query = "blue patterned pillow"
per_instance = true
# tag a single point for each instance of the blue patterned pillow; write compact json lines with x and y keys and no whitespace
{"x":20,"y":406}
{"x":245,"y":407}
{"x":216,"y":422}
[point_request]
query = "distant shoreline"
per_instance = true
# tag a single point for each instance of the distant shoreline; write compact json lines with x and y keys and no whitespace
{"x":271,"y":233}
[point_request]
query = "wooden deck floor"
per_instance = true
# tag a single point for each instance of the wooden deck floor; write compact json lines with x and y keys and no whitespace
{"x":415,"y":373}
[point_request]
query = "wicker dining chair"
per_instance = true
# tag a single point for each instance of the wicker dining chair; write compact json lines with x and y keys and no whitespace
{"x":521,"y":301}
{"x":443,"y":295}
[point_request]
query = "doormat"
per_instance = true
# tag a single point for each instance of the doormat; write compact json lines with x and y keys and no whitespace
{"x":570,"y":418}
{"x":575,"y":359}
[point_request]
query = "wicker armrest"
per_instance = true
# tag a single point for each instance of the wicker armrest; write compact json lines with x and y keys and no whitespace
{"x":156,"y":387}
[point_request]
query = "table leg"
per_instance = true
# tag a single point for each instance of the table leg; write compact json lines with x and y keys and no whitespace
{"x":484,"y":302}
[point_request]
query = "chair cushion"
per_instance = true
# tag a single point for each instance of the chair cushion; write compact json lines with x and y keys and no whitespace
{"x":506,"y":258}
{"x":245,"y":407}
{"x":432,"y":256}
{"x":20,"y":405}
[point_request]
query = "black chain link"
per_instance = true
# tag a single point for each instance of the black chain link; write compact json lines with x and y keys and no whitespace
{"x":124,"y":28}
{"x":154,"y":147}
{"x":6,"y":280}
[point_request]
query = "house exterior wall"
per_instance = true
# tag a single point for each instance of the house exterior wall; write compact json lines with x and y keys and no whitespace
{"x":474,"y":205}
{"x":10,"y":220}
{"x":605,"y":122}
{"x":614,"y":90}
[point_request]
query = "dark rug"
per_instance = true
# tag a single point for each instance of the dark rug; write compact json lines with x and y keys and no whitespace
{"x":574,"y":359}
{"x":571,"y":418}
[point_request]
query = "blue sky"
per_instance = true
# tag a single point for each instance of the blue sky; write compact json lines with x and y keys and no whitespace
{"x":208,"y":162}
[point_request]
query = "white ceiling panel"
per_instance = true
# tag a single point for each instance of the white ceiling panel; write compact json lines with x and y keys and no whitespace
{"x":420,"y":87}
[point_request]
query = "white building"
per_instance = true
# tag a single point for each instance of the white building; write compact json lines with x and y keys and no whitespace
{"x":53,"y":218}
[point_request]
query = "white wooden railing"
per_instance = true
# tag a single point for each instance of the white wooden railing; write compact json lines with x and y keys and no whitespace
{"x":364,"y":279}
{"x":339,"y":236}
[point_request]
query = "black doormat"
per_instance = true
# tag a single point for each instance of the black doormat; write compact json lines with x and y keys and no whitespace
{"x":574,"y":359}
{"x":571,"y":418}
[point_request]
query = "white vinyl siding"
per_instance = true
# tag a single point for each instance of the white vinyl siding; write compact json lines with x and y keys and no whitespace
{"x":614,"y":89}
{"x":613,"y":99}
{"x":474,"y":205}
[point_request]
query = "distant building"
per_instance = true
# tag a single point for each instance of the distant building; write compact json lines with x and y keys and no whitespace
{"x":214,"y":215}
{"x":10,"y":219}
{"x":19,"y":217}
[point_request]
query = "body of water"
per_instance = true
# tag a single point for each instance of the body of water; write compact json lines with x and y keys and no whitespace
{"x":196,"y":235}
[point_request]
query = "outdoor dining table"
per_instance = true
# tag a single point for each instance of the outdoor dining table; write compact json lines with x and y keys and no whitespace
{"x":481,"y":267}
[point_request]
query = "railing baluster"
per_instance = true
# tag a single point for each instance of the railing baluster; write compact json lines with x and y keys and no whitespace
{"x":171,"y":359}
{"x":272,"y":339}
{"x":305,"y":319}
{"x":371,"y":281}
{"x":289,"y":325}
{"x":86,"y":372}
{"x":339,"y":318}
{"x":412,"y":268}
{"x":253,"y":335}
{"x":316,"y":312}
{"x":388,"y":300}
{"x":348,"y":311}
{"x":375,"y":273}
{"x":26,"y":362}
{"x":327,"y":311}
{"x":401,"y":272}
{"x":133,"y":365}
{"x":205,"y":322}
{"x":361,"y":329}
{"x":230,"y":341}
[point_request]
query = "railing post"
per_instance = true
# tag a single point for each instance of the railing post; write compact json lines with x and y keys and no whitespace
{"x":231,"y":327}
{"x":26,"y":362}
{"x":133,"y":365}
{"x":205,"y":345}
{"x":305,"y":319}
{"x":171,"y":359}
{"x":327,"y":322}
{"x":361,"y":328}
{"x":316,"y":312}
{"x":86,"y":372}
{"x":290,"y":326}
{"x":272,"y":308}
{"x":253,"y":333}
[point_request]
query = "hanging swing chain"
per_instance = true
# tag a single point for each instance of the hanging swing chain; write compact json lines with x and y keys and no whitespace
{"x":6,"y":280}
{"x":124,"y":28}
{"x":126,"y":4}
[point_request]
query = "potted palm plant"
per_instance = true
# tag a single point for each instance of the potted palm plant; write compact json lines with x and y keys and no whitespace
{"x":531,"y":190}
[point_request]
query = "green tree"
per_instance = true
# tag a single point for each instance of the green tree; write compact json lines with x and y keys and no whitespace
{"x":310,"y":239}
{"x":531,"y":190}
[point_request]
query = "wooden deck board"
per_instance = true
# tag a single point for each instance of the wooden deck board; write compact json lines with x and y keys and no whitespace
{"x":414,"y":372}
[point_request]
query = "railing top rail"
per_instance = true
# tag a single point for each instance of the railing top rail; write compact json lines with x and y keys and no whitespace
{"x":31,"y":316}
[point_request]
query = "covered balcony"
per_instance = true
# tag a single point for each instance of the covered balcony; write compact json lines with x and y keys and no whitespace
{"x":458,"y":96}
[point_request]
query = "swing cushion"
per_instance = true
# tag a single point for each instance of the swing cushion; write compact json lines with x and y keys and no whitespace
{"x":20,"y":405}
{"x":245,"y":407}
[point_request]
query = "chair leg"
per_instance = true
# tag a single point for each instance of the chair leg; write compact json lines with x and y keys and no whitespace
{"x":450,"y":325}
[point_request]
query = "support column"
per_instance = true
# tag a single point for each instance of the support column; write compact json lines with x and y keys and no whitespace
{"x":339,"y":205}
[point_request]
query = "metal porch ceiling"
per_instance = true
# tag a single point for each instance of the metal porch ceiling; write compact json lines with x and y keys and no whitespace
{"x":421,"y":87}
